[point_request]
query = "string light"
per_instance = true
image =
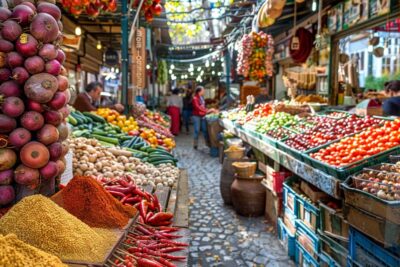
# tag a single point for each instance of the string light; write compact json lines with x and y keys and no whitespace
{"x":207,"y":63}
{"x":147,"y":67}
{"x":170,"y":71}
{"x":99,"y":46}
{"x":213,"y":72}
{"x":199,"y":69}
{"x":212,"y":64}
{"x":172,"y":66}
{"x":78,"y":31}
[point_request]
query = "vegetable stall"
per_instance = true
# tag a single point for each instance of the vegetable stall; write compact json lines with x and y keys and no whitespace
{"x":122,"y":205}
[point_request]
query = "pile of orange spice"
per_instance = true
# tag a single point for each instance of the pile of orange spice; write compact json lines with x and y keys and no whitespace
{"x":87,"y":200}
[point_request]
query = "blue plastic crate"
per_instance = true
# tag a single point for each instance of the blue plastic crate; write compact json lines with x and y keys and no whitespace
{"x":308,"y":213}
{"x":308,"y":239}
{"x":333,"y":248}
{"x":365,"y":252}
{"x":303,"y":257}
{"x":289,"y":195}
{"x":326,"y":261}
{"x":287,"y":239}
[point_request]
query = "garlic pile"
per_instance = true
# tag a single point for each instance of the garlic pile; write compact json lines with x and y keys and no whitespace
{"x":93,"y":159}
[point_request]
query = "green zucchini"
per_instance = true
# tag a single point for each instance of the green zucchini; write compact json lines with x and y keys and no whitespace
{"x":110,"y":140}
{"x":94,"y":117}
{"x":156,"y":163}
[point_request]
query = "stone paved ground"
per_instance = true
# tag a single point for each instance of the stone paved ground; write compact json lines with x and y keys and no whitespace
{"x":219,"y":237}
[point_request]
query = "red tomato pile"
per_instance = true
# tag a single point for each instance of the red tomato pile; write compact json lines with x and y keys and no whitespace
{"x":370,"y":142}
{"x":92,"y":8}
{"x":150,"y":8}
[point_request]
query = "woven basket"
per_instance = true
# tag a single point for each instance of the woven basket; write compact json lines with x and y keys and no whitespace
{"x":235,"y":154}
{"x":245,"y":169}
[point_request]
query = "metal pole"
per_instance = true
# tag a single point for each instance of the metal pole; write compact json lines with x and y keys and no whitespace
{"x":228,"y":72}
{"x":124,"y":54}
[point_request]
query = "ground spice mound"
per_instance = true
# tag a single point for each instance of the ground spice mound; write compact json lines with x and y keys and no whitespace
{"x":15,"y":253}
{"x":86,"y":199}
{"x":43,"y":224}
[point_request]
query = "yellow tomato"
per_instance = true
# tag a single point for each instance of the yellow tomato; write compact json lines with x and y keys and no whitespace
{"x":110,"y":118}
{"x":120,"y":124}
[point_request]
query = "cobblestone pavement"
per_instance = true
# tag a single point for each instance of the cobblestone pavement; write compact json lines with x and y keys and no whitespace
{"x":219,"y":237}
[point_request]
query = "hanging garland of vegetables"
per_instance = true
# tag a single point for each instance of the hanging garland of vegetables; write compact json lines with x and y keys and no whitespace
{"x":149,"y":9}
{"x":92,"y":8}
{"x":162,"y":72}
{"x":255,"y":56}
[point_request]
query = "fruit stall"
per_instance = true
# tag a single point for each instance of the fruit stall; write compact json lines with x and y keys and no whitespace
{"x":331,"y":180}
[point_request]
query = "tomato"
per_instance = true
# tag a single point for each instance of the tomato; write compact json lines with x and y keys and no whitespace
{"x":112,"y":6}
{"x":92,"y":10}
{"x":156,"y":9}
{"x":149,"y":16}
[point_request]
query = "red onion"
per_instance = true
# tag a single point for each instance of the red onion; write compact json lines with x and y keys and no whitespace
{"x":19,"y":137}
{"x":10,"y":88}
{"x":32,"y":120}
{"x":63,"y":131}
{"x":48,"y":134}
{"x":33,"y":105}
{"x":13,"y":106}
{"x":22,"y":14}
{"x":55,"y":151}
{"x":3,"y":59}
{"x":48,"y":52}
{"x":27,"y":45}
{"x":59,"y":100}
{"x":7,"y":195}
{"x":7,"y":176}
{"x":4,"y":74}
{"x":65,"y":149}
{"x":6,"y":46}
{"x":7,"y":124}
{"x":60,"y":166}
{"x":41,"y":87}
{"x":11,"y":30}
{"x":29,"y":4}
{"x":62,"y":83}
{"x":60,"y":38}
{"x":53,"y":117}
{"x":60,"y":56}
{"x":53,"y":67}
{"x":68,"y":95}
{"x":44,"y":28}
{"x":34,"y":64}
{"x":20,"y":75}
{"x":50,"y":9}
{"x":14,"y":59}
{"x":5,"y":13}
{"x":26,"y":176}
{"x":14,"y":3}
{"x":49,"y":171}
{"x":47,"y":1}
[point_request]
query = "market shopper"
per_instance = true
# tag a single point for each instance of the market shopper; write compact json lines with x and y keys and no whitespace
{"x":174,"y":107}
{"x":88,"y":100}
{"x":199,"y":113}
{"x":225,"y":101}
{"x":391,"y":106}
{"x":262,"y":97}
{"x":187,"y":109}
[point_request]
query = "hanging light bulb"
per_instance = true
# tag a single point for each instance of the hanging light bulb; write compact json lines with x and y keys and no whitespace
{"x":78,"y":31}
{"x":194,"y":53}
{"x":222,"y":59}
{"x":207,"y":63}
{"x":170,"y":71}
{"x":212,"y":64}
{"x":182,"y":77}
{"x":117,"y":70}
{"x":112,"y":69}
{"x":191,"y":74}
{"x":199,"y":69}
{"x":219,"y":73}
{"x":213,"y":72}
{"x":147,"y":66}
{"x":314,"y":6}
{"x":172,"y":66}
{"x":99,"y":46}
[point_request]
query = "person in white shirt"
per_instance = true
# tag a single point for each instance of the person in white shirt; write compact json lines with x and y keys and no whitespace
{"x":174,"y":108}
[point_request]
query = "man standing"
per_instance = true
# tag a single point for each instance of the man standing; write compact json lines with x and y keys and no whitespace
{"x":88,"y":100}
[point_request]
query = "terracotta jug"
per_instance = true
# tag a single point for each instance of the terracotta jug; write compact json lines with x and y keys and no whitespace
{"x":248,"y":196}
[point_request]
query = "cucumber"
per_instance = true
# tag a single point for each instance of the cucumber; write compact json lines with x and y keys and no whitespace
{"x":162,"y":153}
{"x":99,"y":132}
{"x":72,"y":120}
{"x":156,"y":159}
{"x":94,"y":117}
{"x":77,"y":118}
{"x":156,"y":163}
{"x":110,"y":140}
{"x":106,"y":144}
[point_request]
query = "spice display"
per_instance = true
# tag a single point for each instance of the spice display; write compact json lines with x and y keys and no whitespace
{"x":86,"y":199}
{"x":15,"y":253}
{"x":149,"y":246}
{"x":91,"y":158}
{"x":41,"y":223}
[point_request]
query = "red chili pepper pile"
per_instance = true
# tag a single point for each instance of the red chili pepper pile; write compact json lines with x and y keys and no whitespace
{"x":149,"y":246}
{"x":149,"y":207}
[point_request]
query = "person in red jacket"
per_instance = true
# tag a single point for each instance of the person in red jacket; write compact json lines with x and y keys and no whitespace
{"x":199,"y":113}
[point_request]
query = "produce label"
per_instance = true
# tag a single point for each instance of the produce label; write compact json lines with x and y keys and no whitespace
{"x":23,"y":38}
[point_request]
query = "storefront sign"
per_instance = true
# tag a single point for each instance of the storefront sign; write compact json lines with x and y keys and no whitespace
{"x":111,"y":57}
{"x":71,"y":41}
{"x":139,"y":59}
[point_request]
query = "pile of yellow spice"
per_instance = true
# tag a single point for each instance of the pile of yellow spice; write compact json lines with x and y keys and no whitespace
{"x":15,"y":253}
{"x":43,"y":224}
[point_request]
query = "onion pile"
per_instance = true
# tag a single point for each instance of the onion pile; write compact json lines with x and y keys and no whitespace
{"x":33,"y":98}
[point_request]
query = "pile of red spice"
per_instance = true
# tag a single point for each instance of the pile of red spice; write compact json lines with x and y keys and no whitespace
{"x":87,"y":200}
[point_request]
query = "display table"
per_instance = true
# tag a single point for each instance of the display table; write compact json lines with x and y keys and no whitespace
{"x":320,"y":179}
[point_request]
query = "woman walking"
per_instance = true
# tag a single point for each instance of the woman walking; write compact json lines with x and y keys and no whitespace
{"x":199,"y":113}
{"x":174,"y":107}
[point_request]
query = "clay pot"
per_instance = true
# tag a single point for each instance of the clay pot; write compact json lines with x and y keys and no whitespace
{"x":248,"y":196}
{"x":226,"y":179}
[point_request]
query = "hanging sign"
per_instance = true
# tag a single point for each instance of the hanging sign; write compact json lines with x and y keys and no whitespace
{"x":139,"y":58}
{"x":111,"y":57}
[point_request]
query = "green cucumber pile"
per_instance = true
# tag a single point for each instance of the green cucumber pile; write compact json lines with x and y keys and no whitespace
{"x":89,"y":125}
